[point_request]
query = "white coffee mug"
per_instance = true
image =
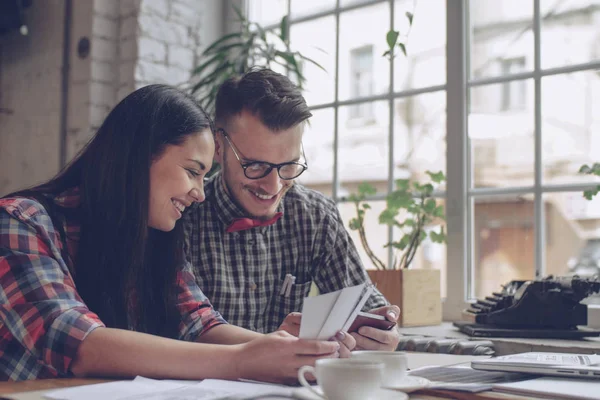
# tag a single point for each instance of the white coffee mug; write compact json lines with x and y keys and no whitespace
{"x":395,"y":363}
{"x":344,"y":378}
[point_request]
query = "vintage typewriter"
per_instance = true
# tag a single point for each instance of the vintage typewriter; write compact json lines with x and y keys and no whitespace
{"x":544,"y":308}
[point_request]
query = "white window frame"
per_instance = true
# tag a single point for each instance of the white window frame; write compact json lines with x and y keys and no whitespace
{"x":460,"y":194}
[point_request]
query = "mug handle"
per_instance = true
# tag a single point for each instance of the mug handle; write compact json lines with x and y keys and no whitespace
{"x":303,"y":370}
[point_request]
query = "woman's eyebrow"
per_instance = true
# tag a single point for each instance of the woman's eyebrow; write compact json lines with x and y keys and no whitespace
{"x":200,"y":164}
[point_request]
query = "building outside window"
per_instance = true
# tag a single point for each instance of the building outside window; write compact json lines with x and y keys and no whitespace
{"x":361,"y":80}
{"x":510,"y":135}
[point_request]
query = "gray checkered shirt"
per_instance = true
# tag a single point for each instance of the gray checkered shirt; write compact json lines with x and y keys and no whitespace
{"x":242,"y":272}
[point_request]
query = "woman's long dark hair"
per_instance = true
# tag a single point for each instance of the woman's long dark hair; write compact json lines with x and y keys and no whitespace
{"x":118,"y":254}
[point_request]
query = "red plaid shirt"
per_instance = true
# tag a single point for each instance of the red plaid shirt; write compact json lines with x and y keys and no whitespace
{"x":42,"y":317}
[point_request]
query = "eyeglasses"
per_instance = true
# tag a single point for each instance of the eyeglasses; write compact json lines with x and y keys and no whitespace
{"x":260,"y":169}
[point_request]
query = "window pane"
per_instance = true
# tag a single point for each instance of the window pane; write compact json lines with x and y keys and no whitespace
{"x":266,"y":12}
{"x":361,"y":61}
{"x":420,"y":135}
{"x":425,"y":63}
{"x":501,"y":31}
{"x":503,"y":242}
{"x":318,"y":145}
{"x":315,"y":39}
{"x":363,"y":143}
{"x":344,"y":3}
{"x":376,"y":233}
{"x":572,"y":234}
{"x":301,"y":8}
{"x":570,"y":32}
{"x":571,"y":122}
{"x":501,"y":134}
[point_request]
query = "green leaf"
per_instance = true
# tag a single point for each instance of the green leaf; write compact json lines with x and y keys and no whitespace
{"x":310,"y":60}
{"x":221,"y":41}
{"x":391,"y":38}
{"x":366,"y":189}
{"x":410,"y":222}
{"x":436,"y":177}
{"x":399,"y":200}
{"x":388,"y":216}
{"x":439,"y":212}
{"x":354,"y":224}
{"x":402,"y":184}
{"x":410,"y":16}
{"x":366,"y":206}
{"x":403,"y":48}
{"x":589,"y":194}
{"x":429,"y":206}
{"x":438,"y":237}
{"x":284,"y":29}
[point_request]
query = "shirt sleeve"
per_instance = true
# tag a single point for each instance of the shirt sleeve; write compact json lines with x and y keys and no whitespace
{"x":337,"y":262}
{"x":39,"y":306}
{"x":197,"y":313}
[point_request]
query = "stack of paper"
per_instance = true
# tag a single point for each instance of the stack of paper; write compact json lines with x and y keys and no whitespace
{"x":325,"y":315}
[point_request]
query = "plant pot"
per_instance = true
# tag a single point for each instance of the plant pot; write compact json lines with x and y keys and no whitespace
{"x":415,"y":291}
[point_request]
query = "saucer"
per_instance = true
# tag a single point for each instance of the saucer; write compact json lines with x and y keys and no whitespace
{"x":380,"y":394}
{"x":410,"y":384}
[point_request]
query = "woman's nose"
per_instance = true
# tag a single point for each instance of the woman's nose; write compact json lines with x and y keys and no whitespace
{"x":197,"y":194}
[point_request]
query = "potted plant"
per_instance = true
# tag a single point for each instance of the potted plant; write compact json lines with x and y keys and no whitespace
{"x":236,"y":53}
{"x":412,"y":209}
{"x":591,"y":170}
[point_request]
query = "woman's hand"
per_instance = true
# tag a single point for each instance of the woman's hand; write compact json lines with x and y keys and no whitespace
{"x":276,"y":357}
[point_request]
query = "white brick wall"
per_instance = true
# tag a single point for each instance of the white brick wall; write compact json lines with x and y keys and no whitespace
{"x":133,"y":43}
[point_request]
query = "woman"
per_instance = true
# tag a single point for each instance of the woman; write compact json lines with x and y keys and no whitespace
{"x":93,"y":279}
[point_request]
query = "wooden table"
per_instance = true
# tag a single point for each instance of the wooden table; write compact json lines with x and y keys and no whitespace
{"x":35,"y":389}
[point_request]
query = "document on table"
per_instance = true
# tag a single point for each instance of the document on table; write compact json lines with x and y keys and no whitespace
{"x":554,"y":387}
{"x":150,"y":389}
{"x":325,"y":315}
{"x":463,"y":378}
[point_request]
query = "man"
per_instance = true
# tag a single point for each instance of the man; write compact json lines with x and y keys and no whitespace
{"x":257,"y":271}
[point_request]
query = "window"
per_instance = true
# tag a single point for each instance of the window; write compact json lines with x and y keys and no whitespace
{"x":361,"y":82}
{"x":513,"y":92}
{"x":502,"y":96}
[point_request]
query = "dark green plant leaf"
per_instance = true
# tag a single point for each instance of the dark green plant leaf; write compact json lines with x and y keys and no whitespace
{"x":410,"y":16}
{"x":429,"y":206}
{"x":436,"y":177}
{"x":403,"y":48}
{"x":439,"y":212}
{"x":402,"y":184}
{"x":391,"y":38}
{"x":310,"y":60}
{"x":438,"y":237}
{"x":388,"y":216}
{"x":410,"y":222}
{"x":366,"y":189}
{"x":284,"y":29}
{"x":354,"y":224}
{"x":399,"y":200}
{"x":366,"y":206}
{"x":589,"y":194}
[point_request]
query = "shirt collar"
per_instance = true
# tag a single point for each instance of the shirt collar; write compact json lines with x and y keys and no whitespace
{"x":225,"y":206}
{"x":70,"y":198}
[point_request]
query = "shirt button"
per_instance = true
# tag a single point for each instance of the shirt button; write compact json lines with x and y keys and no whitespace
{"x":253,"y":286}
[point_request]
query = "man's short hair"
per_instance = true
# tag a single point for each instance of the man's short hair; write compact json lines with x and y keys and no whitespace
{"x":266,"y":94}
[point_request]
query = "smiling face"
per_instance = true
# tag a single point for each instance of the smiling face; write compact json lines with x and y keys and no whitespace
{"x":177,"y":177}
{"x":255,"y":142}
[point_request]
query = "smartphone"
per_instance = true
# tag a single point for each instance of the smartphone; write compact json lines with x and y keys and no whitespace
{"x":369,"y":319}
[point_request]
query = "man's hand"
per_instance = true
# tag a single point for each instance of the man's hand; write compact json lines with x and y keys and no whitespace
{"x":369,"y":338}
{"x":291,"y":324}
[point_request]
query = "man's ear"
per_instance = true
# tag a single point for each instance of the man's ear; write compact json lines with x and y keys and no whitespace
{"x":219,"y":148}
